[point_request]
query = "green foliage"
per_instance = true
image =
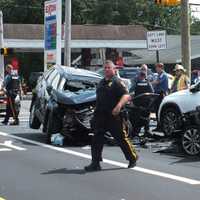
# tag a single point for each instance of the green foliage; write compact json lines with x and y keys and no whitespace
{"x":22,"y":11}
{"x":124,"y":12}
{"x":143,"y":12}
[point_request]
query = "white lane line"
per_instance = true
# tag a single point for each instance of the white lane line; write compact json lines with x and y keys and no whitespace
{"x":111,"y":162}
{"x":5,"y":149}
{"x":9,"y":144}
{"x":86,"y":148}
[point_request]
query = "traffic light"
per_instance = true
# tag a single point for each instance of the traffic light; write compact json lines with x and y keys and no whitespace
{"x":168,"y":2}
{"x":7,"y":51}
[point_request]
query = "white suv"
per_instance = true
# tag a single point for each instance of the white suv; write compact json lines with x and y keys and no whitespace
{"x":175,"y":105}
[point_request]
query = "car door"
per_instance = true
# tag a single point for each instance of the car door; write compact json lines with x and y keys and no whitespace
{"x":47,"y":82}
{"x":191,"y":100}
{"x":41,"y":92}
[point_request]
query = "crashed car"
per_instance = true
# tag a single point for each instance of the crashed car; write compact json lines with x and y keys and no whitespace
{"x":63,"y":102}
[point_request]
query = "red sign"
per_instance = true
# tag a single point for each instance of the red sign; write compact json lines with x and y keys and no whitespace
{"x":120,"y":61}
{"x":15,"y":63}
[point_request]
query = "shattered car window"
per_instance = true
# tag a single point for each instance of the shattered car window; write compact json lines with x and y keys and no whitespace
{"x":74,"y":85}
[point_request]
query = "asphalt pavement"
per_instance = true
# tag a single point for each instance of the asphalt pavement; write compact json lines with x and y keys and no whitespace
{"x":32,"y":170}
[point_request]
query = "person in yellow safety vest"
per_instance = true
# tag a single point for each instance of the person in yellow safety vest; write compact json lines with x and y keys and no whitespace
{"x":181,"y":81}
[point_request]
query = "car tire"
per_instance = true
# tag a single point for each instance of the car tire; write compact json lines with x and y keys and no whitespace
{"x":191,"y":141}
{"x":170,"y":121}
{"x":34,"y":122}
{"x":49,"y":129}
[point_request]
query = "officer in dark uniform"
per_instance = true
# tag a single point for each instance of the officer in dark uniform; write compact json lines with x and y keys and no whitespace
{"x":11,"y":86}
{"x":142,"y":86}
{"x":112,"y":95}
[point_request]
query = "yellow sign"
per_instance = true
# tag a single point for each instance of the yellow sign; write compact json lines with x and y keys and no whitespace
{"x":168,"y":2}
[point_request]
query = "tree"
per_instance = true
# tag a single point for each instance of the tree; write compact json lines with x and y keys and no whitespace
{"x":22,"y":11}
{"x":144,"y":12}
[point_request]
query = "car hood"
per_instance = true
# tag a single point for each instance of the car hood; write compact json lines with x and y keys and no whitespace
{"x":75,"y":98}
{"x":179,"y":93}
{"x":176,"y":97}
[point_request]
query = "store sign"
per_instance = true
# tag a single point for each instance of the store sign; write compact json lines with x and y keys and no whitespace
{"x":156,"y":40}
{"x":52,"y":33}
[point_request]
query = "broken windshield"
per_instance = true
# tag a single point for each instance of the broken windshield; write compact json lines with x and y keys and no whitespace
{"x":75,"y":85}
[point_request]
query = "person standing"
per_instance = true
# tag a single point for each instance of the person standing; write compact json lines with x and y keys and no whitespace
{"x":11,"y":87}
{"x":149,"y":76}
{"x":160,"y":87}
{"x":181,"y":81}
{"x":112,"y":95}
{"x":143,"y":86}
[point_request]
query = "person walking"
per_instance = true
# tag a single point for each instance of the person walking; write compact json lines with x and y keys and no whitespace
{"x":11,"y":87}
{"x":112,"y":95}
{"x":181,"y":81}
{"x":160,"y":87}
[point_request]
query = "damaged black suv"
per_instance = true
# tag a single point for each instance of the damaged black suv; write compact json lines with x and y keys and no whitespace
{"x":63,"y":102}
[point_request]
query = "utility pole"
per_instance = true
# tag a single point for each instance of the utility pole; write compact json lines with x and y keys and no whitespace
{"x":185,"y":37}
{"x":67,"y":29}
{"x":1,"y":46}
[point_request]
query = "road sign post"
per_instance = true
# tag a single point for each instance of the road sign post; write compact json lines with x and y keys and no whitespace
{"x":67,"y":49}
{"x":185,"y":37}
{"x":1,"y":46}
{"x":52,"y":32}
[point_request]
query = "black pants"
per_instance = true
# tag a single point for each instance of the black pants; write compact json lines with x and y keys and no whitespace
{"x":157,"y":105}
{"x":11,"y":109}
{"x":118,"y":129}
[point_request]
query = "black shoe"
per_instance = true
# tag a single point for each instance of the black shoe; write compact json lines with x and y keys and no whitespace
{"x":16,"y":122}
{"x":4,"y":122}
{"x":157,"y":129}
{"x":93,"y":167}
{"x":148,"y":134}
{"x":132,"y":163}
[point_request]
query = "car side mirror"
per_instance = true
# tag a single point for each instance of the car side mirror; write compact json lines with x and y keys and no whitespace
{"x":49,"y":89}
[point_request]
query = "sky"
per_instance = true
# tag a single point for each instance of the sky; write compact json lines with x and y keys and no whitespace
{"x":195,"y":9}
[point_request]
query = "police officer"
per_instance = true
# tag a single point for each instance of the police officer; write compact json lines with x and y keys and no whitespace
{"x":11,"y":86}
{"x":142,"y":86}
{"x":112,"y":95}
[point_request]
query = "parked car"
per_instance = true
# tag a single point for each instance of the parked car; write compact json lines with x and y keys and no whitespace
{"x":132,"y":72}
{"x":174,"y":106}
{"x":64,"y":102}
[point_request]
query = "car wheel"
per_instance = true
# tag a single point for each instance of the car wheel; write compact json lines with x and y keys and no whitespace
{"x":49,"y":129}
{"x":170,"y":121}
{"x":33,"y":120}
{"x":191,"y":141}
